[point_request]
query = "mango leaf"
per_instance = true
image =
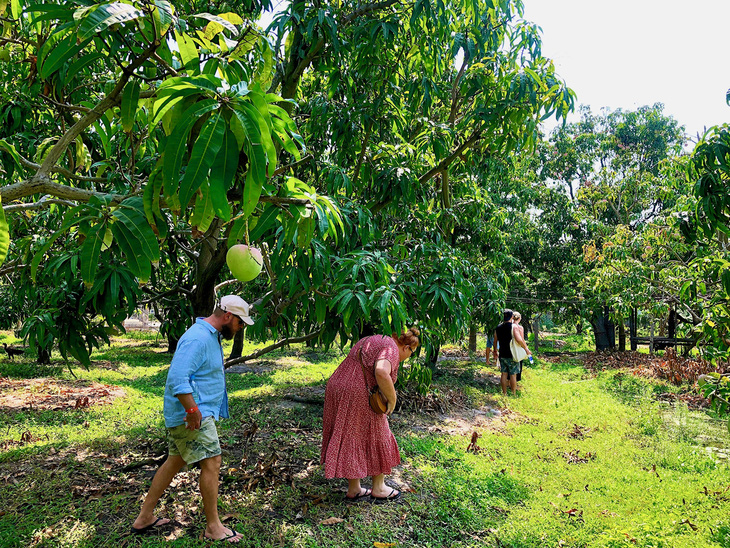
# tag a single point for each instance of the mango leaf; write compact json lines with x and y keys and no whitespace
{"x":254,"y":149}
{"x":151,"y":197}
{"x":130,"y":100}
{"x":162,"y":16}
{"x":305,"y":231}
{"x":137,"y":263}
{"x":48,"y":12}
{"x":203,"y":214}
{"x":187,"y":51}
{"x":131,"y":214}
{"x":4,"y":235}
{"x":177,"y":143}
{"x":10,"y":149}
{"x":219,"y":20}
{"x":70,"y":221}
{"x":83,"y":62}
{"x":222,"y":174}
{"x":251,"y":193}
{"x":238,"y":231}
{"x":204,"y":153}
{"x":264,"y":121}
{"x":62,"y":52}
{"x":90,"y":250}
{"x":213,"y":28}
{"x":104,"y":16}
{"x":265,"y":221}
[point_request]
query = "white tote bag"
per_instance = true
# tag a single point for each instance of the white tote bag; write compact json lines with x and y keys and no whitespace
{"x":518,"y":353}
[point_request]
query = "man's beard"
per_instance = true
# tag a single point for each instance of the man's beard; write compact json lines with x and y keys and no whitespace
{"x":227,"y":332}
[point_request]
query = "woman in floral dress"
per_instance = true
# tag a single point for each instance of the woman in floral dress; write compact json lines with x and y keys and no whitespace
{"x":357,"y":442}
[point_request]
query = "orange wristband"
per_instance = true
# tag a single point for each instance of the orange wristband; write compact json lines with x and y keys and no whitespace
{"x":191,"y":410}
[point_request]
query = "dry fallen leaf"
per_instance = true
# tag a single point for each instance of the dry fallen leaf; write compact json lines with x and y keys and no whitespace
{"x":383,"y":544}
{"x":331,"y":521}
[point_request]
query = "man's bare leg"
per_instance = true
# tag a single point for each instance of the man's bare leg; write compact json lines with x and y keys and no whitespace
{"x":209,"y":473}
{"x":160,"y":482}
{"x":513,"y":384}
{"x":503,"y":382}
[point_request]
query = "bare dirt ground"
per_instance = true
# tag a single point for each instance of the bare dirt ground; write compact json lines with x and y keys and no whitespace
{"x":54,"y":394}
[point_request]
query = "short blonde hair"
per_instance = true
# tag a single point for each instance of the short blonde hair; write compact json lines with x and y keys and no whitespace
{"x":516,"y":316}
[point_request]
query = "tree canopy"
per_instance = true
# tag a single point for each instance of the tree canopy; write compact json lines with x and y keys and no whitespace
{"x":141,"y":139}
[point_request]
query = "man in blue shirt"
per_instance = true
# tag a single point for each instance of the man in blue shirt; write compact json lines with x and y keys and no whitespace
{"x":195,"y":398}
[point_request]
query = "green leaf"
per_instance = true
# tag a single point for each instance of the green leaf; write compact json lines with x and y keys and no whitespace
{"x":265,"y":221}
{"x":104,"y":16}
{"x":90,"y":250}
{"x":130,"y":100}
{"x":137,"y":262}
{"x":71,"y":220}
{"x":264,"y":121}
{"x":131,"y":214}
{"x":188,"y":52}
{"x":48,"y":12}
{"x":204,"y":153}
{"x":4,"y":235}
{"x":203,"y":214}
{"x":256,"y":158}
{"x":238,"y":230}
{"x":62,"y":52}
{"x":251,"y":193}
{"x":83,"y":62}
{"x":10,"y":149}
{"x":220,"y":21}
{"x":162,"y":16}
{"x":177,"y":143}
{"x":222,"y":174}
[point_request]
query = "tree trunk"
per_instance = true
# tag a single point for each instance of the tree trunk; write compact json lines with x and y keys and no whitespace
{"x":579,"y":327}
{"x":171,"y":343}
{"x":472,"y":338}
{"x":622,"y":336}
{"x":237,"y":350}
{"x":433,"y":355}
{"x":604,"y":330}
{"x":633,"y":328}
{"x":536,"y":332}
{"x":44,"y":356}
{"x":672,"y":327}
{"x":211,"y":258}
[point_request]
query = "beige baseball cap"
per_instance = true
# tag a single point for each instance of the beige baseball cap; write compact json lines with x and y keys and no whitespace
{"x":236,"y":305}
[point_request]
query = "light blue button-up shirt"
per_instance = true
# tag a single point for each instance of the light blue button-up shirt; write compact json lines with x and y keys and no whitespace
{"x":197,"y":369}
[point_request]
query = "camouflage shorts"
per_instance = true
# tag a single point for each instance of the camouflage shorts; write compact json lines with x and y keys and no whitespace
{"x":194,"y":445}
{"x":509,"y":366}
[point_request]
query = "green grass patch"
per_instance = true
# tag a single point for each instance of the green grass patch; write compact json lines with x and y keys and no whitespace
{"x":574,"y":460}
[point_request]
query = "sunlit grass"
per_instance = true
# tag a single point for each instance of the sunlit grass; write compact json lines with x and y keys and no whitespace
{"x":574,"y":461}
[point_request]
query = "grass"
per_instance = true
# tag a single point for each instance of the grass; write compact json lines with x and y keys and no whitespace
{"x":573,"y":460}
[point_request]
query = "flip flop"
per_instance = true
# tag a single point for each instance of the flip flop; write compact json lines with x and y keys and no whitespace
{"x":233,"y":534}
{"x":390,"y":498}
{"x":151,"y":527}
{"x":359,"y":498}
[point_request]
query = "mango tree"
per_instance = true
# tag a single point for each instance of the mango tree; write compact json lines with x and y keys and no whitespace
{"x":153,"y":137}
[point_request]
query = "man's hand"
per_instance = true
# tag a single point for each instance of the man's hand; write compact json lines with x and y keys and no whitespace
{"x":192,"y":420}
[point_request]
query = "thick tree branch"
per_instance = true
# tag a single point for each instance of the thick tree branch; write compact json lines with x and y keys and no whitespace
{"x":61,"y":171}
{"x":10,"y":268}
{"x":446,"y":162}
{"x":32,"y":186}
{"x":308,"y":158}
{"x":40,"y":204}
{"x":111,"y":100}
{"x":271,"y":347}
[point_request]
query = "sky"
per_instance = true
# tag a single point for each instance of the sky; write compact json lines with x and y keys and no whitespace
{"x":629,"y":53}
